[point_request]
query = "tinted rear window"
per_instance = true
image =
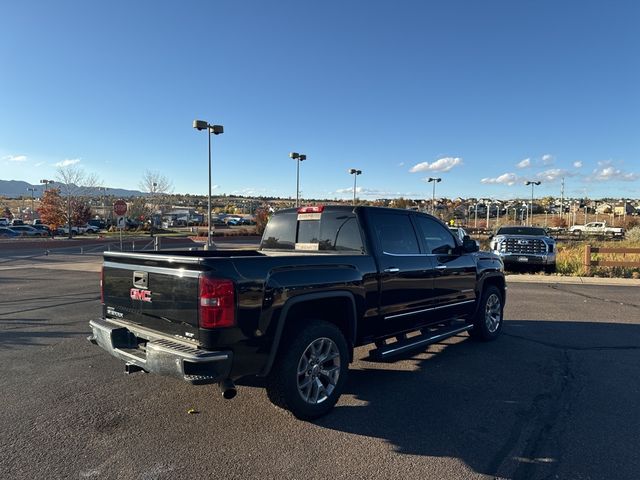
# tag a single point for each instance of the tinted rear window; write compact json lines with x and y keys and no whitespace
{"x":334,"y":231}
{"x":521,"y":231}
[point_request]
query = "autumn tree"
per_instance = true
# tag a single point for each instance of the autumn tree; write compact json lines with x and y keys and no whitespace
{"x":139,"y":209}
{"x":52,"y":209}
{"x":262,"y":217}
{"x":80,"y":212}
{"x":7,"y":213}
{"x":75,"y":185}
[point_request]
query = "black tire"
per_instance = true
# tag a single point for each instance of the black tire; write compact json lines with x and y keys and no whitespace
{"x":285,"y":387}
{"x":550,"y":268}
{"x":486,"y":329}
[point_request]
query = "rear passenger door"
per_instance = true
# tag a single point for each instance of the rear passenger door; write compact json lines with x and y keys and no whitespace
{"x":406,"y":273}
{"x":455,"y":278}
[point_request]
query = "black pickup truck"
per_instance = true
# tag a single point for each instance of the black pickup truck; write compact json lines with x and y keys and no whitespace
{"x":324,"y":281}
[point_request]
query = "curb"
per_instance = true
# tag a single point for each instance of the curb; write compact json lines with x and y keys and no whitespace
{"x":557,"y":279}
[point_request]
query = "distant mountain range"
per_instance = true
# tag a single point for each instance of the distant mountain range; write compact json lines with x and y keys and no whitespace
{"x":17,"y":188}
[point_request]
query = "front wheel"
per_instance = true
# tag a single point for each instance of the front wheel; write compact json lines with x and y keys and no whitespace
{"x":487,"y":322}
{"x":309,"y":373}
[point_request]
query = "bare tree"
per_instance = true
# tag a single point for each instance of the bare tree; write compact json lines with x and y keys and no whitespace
{"x":74,"y":184}
{"x":158,"y":186}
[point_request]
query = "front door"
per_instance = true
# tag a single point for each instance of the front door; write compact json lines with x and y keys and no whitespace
{"x":455,"y":280}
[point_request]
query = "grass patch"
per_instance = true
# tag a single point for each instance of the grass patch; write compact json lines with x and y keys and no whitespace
{"x":570,"y":260}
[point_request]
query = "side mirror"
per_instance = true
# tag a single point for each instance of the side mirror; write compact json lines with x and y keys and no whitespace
{"x":469,"y":245}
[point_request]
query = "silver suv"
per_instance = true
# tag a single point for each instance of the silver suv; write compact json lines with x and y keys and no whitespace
{"x":525,"y":246}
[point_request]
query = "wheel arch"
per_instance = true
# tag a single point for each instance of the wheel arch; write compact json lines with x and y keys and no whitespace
{"x":336,"y":307}
{"x":491,"y":279}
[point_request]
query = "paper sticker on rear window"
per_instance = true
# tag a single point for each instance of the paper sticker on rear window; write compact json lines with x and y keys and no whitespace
{"x":308,"y":246}
{"x":309,"y":216}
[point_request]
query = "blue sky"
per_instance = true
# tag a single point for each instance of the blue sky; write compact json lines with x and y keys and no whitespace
{"x":484,"y":95}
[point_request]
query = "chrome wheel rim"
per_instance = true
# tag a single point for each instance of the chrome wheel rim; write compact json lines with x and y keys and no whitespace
{"x":493,"y":313}
{"x":318,"y":370}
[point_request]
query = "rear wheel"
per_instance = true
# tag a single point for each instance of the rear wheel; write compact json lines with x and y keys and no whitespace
{"x":487,"y":323}
{"x":308,"y":375}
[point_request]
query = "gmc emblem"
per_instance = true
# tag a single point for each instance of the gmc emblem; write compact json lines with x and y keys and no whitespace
{"x":139,"y":294}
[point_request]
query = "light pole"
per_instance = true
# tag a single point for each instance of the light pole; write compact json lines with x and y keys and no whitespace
{"x":433,"y":195}
{"x":488,"y":204}
{"x":153,"y":205}
{"x":216,"y":130}
{"x":46,"y":183}
{"x":532,"y":183}
{"x":104,"y":208}
{"x":475,"y":220}
{"x":298,"y":157}
{"x":31,"y":189}
{"x":355,"y":172}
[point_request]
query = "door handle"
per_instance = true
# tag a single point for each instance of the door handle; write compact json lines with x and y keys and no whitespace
{"x":391,"y":270}
{"x":441,"y":267}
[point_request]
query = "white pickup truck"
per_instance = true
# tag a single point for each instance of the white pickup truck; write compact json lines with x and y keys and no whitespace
{"x":597,"y":228}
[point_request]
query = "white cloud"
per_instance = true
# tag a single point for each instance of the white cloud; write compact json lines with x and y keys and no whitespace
{"x":526,"y":163}
{"x":373,"y":192}
{"x":67,"y":162}
{"x":547,"y":159}
{"x":39,"y":164}
{"x":15,"y":158}
{"x":553,"y":174}
{"x":401,"y":164}
{"x":577,"y":164}
{"x":608,"y":172}
{"x":441,"y":165}
{"x":505,"y":178}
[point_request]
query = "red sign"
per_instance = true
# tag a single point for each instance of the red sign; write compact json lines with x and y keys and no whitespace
{"x":120,"y":207}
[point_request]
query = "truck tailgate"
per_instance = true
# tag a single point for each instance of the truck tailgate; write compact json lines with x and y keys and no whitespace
{"x":161,"y":299}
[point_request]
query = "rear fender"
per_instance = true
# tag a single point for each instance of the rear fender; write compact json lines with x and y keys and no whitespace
{"x":300,"y":299}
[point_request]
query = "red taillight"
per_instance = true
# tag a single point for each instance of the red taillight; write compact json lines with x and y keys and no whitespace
{"x":316,"y":209}
{"x":102,"y":285}
{"x":217,"y":303}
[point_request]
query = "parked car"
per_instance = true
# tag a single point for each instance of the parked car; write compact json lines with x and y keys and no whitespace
{"x":65,"y":230}
{"x":596,"y":228}
{"x":101,"y":224}
{"x":28,"y":231}
{"x":88,"y":229}
{"x":43,"y":228}
{"x":8,"y":233}
{"x":520,"y":246}
{"x":461,"y":233}
{"x":4,"y":222}
{"x":324,"y":281}
{"x":16,"y":221}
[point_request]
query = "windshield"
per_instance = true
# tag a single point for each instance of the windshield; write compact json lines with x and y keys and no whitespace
{"x":522,"y":231}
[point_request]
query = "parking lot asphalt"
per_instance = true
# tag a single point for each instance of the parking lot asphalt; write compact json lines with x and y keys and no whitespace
{"x":555,"y":397}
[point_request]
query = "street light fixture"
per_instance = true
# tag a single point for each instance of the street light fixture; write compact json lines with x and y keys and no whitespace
{"x":46,"y":183}
{"x":298,"y":157}
{"x":433,"y":196}
{"x":532,"y":183}
{"x":216,"y":130}
{"x":355,"y":172}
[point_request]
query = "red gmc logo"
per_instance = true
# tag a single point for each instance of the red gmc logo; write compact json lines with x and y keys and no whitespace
{"x":139,"y":294}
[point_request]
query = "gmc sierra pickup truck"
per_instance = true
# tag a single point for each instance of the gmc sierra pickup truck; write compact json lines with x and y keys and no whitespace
{"x":324,"y":281}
